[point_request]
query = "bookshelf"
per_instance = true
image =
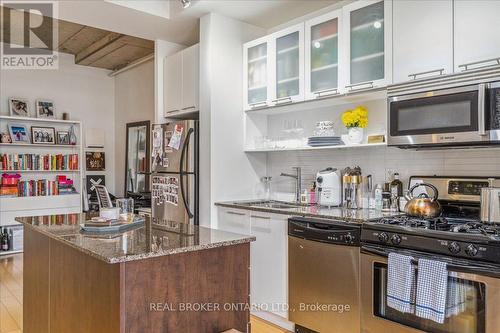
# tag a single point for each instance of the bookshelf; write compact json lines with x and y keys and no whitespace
{"x":12,"y":207}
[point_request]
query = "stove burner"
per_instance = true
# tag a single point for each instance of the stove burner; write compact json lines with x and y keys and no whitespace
{"x":443,"y":224}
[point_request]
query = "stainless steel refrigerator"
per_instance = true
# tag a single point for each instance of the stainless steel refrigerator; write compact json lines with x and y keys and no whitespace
{"x":175,"y":171}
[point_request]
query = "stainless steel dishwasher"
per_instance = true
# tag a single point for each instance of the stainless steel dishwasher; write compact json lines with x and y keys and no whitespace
{"x":323,"y":280}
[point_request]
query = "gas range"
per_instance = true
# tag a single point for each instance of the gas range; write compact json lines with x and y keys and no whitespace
{"x":458,"y":233}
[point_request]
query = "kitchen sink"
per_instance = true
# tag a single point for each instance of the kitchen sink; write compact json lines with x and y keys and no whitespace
{"x":271,"y":204}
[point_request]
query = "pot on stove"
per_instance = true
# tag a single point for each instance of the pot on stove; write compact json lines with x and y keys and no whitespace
{"x":423,"y":206}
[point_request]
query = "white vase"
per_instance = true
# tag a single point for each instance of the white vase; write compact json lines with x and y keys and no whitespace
{"x":355,"y":135}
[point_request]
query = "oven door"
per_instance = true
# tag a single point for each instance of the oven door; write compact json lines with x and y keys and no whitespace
{"x":478,"y":315}
{"x":441,"y":117}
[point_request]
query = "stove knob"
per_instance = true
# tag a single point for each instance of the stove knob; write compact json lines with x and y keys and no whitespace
{"x":454,"y":247}
{"x":383,"y":237}
{"x":471,"y":250}
{"x":396,"y":239}
{"x":349,"y":238}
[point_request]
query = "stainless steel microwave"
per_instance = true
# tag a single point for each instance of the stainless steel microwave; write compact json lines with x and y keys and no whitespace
{"x":460,"y":116}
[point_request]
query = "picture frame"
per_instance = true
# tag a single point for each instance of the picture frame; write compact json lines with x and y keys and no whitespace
{"x":95,"y":161}
{"x":45,"y":109}
{"x":18,"y":133}
{"x":43,"y":135}
{"x":63,"y":138}
{"x":19,"y":107}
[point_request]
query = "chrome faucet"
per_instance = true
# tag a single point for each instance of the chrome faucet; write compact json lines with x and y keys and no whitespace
{"x":298,"y":182}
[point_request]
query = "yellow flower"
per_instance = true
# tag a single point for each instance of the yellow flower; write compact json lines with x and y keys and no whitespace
{"x":358,"y":117}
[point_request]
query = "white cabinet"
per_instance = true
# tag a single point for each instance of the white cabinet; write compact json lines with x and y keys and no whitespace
{"x":269,"y":262}
{"x":477,"y":33}
{"x":323,"y":38}
{"x":422,"y":39}
{"x":233,"y":220}
{"x":257,"y":89}
{"x":181,"y":79}
{"x":287,"y":78}
{"x":367,"y":61}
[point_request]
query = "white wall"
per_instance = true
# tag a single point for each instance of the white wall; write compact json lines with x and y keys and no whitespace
{"x":86,"y":93}
{"x":227,"y":173}
{"x":134,"y":101}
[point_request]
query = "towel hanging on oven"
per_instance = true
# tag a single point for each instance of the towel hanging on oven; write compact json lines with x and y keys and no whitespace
{"x":432,"y":288}
{"x":401,"y":283}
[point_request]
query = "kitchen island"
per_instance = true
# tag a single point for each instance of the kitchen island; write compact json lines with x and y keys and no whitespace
{"x":159,"y":277}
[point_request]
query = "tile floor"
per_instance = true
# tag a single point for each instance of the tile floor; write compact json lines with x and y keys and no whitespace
{"x":11,"y":299}
{"x":11,"y":294}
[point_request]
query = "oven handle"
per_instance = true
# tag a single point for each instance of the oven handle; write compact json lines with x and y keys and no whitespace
{"x":454,"y":264}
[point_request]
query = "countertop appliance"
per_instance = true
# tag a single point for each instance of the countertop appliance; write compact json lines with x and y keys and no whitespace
{"x":470,"y":248}
{"x":323,"y":270}
{"x":458,"y":116}
{"x":329,"y":187}
{"x":175,"y":171}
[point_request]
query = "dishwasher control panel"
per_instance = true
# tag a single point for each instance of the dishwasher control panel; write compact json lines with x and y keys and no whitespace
{"x":327,"y":231}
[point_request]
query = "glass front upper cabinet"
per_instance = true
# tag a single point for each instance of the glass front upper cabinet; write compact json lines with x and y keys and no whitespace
{"x":368,"y":62}
{"x":323,"y":38}
{"x":256,"y":55}
{"x":289,"y":71}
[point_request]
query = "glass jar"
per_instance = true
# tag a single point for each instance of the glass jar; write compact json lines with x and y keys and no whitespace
{"x":126,"y":206}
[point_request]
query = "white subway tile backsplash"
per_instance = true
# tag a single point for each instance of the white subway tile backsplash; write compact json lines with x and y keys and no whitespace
{"x":378,"y":160}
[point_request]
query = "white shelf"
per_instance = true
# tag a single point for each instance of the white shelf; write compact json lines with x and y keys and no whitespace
{"x":257,"y":87}
{"x":290,"y":79}
{"x":267,"y":150}
{"x":251,"y":61}
{"x":322,"y":68}
{"x":6,"y":253}
{"x":40,"y":120}
{"x":367,"y":25}
{"x":290,"y":49}
{"x":322,"y":39}
{"x":43,"y":171}
{"x":368,"y":57}
{"x":12,"y":145}
{"x":40,"y":202}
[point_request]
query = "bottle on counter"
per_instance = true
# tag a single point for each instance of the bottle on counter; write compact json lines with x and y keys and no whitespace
{"x":378,"y":197}
{"x":304,"y":197}
{"x":396,"y":188}
{"x":312,"y":194}
{"x":4,"y":242}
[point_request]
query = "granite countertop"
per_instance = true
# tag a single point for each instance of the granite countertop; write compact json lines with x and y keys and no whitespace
{"x":341,"y":213}
{"x":153,"y":239}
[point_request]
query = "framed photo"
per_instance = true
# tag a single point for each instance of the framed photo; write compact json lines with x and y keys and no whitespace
{"x":18,"y":133}
{"x":94,"y":180}
{"x":19,"y":107}
{"x":43,"y":135}
{"x":62,"y":138}
{"x":45,"y":109}
{"x":95,"y":161}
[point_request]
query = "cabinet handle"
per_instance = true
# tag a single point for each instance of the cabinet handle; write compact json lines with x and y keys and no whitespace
{"x":481,"y":112}
{"x":326,"y":92}
{"x":258,"y":105}
{"x":284,"y":100}
{"x":354,"y":87}
{"x":172,"y":111}
{"x":414,"y":75}
{"x":189,"y":107}
{"x":236,"y":213}
{"x":466,"y":66}
{"x":260,"y":217}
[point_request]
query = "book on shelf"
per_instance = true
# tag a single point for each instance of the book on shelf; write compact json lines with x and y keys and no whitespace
{"x":38,"y":187}
{"x":39,"y":162}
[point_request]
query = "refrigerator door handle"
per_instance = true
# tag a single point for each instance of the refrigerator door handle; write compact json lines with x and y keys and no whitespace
{"x":184,"y":173}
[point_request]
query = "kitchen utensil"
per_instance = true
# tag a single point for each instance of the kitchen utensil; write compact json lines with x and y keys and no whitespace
{"x":422,"y":206}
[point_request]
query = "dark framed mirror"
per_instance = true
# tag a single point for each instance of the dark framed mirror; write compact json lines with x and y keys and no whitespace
{"x":137,"y":158}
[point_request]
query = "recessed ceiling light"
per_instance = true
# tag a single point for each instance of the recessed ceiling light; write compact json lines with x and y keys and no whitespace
{"x":185,"y":3}
{"x":377,"y":25}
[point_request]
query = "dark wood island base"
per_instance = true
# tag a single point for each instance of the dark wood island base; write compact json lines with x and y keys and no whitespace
{"x":67,"y":290}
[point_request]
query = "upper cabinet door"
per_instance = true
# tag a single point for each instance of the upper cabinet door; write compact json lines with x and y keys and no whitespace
{"x":477,"y":33}
{"x":257,"y":64}
{"x":422,"y":39}
{"x":368,"y":60}
{"x":190,"y":78}
{"x":322,"y":40}
{"x":288,"y":71}
{"x":173,"y":86}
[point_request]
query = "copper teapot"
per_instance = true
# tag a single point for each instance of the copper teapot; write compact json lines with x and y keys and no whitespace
{"x":422,"y":206}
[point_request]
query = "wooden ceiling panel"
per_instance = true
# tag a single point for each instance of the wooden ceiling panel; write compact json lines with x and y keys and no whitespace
{"x":121,"y":57}
{"x":82,"y":39}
